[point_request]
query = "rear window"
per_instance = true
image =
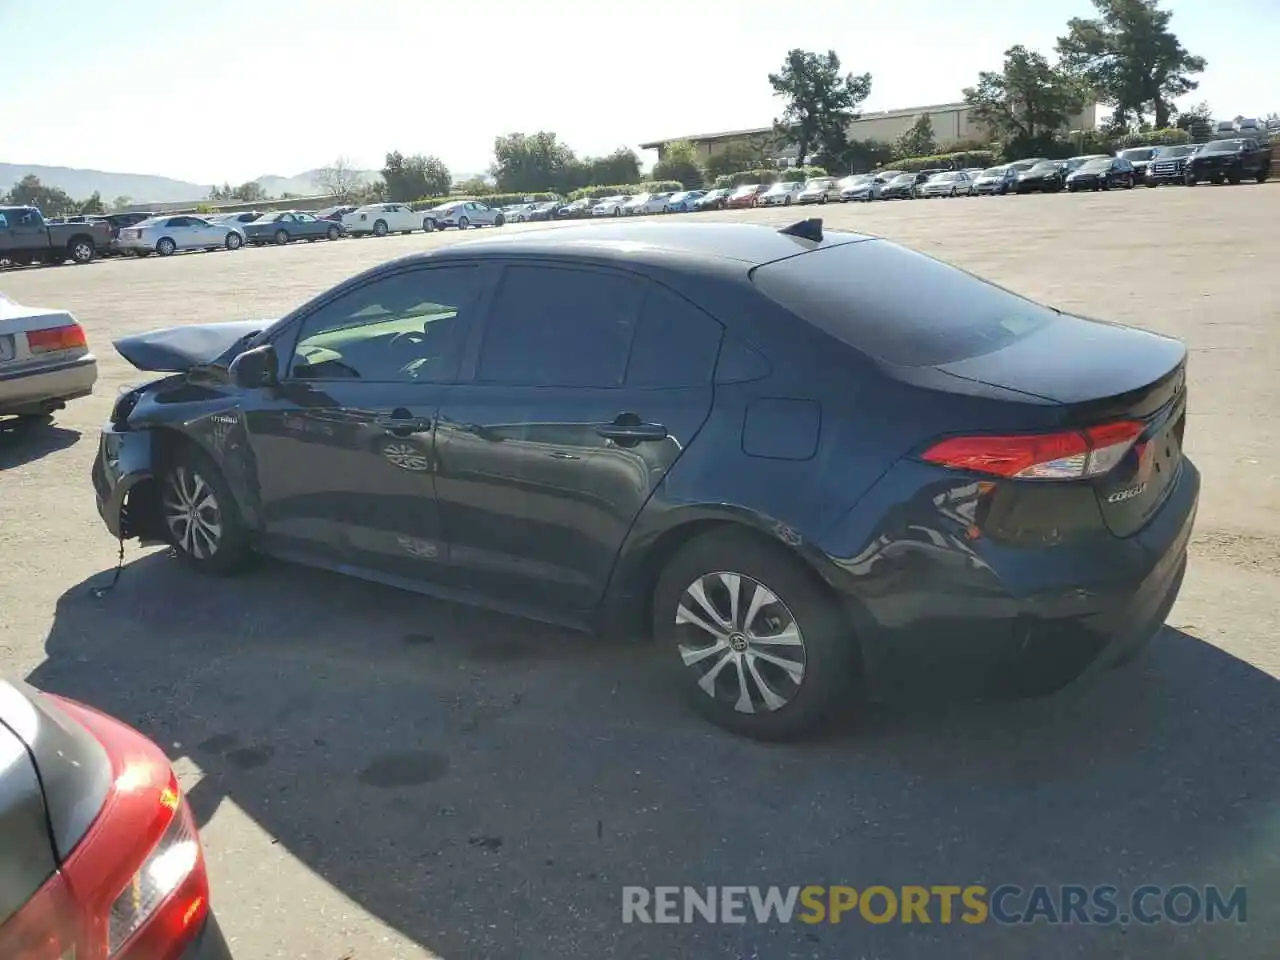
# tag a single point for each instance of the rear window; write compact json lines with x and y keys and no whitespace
{"x":899,"y":306}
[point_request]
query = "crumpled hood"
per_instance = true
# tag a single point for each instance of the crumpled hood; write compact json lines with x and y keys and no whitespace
{"x":178,"y":349}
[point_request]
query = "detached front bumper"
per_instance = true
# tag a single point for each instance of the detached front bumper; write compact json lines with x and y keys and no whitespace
{"x":34,"y":390}
{"x":122,"y":464}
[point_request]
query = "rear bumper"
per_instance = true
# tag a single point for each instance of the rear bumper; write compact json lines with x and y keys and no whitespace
{"x":935,"y":610}
{"x":123,"y":462}
{"x":28,"y":390}
{"x":209,"y":943}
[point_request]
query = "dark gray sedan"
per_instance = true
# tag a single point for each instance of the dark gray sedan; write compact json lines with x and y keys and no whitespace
{"x":289,"y":225}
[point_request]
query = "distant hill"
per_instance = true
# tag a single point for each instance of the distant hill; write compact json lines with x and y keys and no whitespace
{"x":141,"y":187}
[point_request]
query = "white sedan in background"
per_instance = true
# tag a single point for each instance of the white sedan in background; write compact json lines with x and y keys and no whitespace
{"x":647,"y":203}
{"x":44,"y":360}
{"x":380,"y":219}
{"x":610,"y":206}
{"x":950,"y":183}
{"x":465,"y":213}
{"x":167,"y":235}
{"x":781,"y":194}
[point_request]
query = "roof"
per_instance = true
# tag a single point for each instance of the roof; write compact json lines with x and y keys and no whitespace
{"x":760,"y":131}
{"x":651,"y":241}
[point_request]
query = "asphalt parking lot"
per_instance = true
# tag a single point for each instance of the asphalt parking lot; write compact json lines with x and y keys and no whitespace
{"x":381,"y":776}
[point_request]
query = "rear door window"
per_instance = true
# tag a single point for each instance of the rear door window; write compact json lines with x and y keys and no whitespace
{"x":559,"y":327}
{"x":899,"y":306}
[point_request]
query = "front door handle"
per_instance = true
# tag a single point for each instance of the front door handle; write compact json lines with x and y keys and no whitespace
{"x":402,"y":423}
{"x":627,"y":428}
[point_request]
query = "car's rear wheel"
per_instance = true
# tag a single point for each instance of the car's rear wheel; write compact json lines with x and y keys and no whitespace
{"x":81,"y":250}
{"x":282,"y":237}
{"x":428,"y":225}
{"x":756,"y":643}
{"x":165,"y":247}
{"x":333,"y":233}
{"x":234,"y":241}
{"x":380,"y":228}
{"x":500,"y":221}
{"x":201,"y":519}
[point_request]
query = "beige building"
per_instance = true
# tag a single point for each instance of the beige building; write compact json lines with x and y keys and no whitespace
{"x":952,"y":123}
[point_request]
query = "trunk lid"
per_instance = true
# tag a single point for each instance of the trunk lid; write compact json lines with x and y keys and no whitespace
{"x":178,"y":349}
{"x":54,"y":778}
{"x":1103,"y":372}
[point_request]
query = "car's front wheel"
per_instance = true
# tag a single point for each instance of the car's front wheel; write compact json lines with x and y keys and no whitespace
{"x":757,"y":645}
{"x":233,"y":241}
{"x":380,"y":228}
{"x":200,"y":515}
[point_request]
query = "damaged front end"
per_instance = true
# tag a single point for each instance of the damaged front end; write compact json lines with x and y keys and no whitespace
{"x":147,"y":420}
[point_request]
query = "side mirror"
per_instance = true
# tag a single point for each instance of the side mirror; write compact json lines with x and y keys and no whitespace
{"x":254,"y":368}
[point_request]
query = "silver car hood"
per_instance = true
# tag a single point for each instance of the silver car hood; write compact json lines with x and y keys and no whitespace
{"x":178,"y":349}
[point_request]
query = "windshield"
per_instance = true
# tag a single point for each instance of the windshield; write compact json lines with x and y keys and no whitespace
{"x":905,"y":178}
{"x":857,"y":181}
{"x":1045,"y":167}
{"x":1092,"y":166}
{"x":780,"y":188}
{"x":1138,"y":153}
{"x":898,"y":305}
{"x":1225,"y":145}
{"x":747,"y":188}
{"x":819,"y":183}
{"x":994,"y":171}
{"x":942,"y":177}
{"x":1181,"y":151}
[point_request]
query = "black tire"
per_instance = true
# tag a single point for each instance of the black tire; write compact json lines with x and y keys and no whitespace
{"x":380,"y":228}
{"x":1233,"y":179}
{"x":166,"y":247}
{"x":185,"y":473}
{"x":1261,"y":175}
{"x":1151,"y":183}
{"x":499,"y":221}
{"x":428,"y":225}
{"x":81,"y":250}
{"x":333,"y":233}
{"x":234,"y":241}
{"x":281,"y":237}
{"x":463,"y":223}
{"x":826,"y":650}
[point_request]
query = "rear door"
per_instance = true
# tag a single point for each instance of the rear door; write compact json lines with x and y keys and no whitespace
{"x":588,"y":384}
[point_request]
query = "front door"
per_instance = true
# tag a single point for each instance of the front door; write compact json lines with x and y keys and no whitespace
{"x":343,"y":449}
{"x":587,"y":387}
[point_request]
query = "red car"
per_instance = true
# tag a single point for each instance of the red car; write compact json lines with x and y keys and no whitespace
{"x":746,"y":195}
{"x":100,"y":858}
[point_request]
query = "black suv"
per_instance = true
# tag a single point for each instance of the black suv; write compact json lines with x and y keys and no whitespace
{"x":1168,"y":166}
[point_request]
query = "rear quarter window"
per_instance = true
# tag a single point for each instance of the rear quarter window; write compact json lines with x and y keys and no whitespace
{"x":899,"y":306}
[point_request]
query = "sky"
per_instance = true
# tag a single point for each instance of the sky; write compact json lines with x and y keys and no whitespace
{"x":234,"y":90}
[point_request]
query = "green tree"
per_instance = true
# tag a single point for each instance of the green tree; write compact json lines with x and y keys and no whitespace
{"x":250,"y":191}
{"x":1131,"y":58}
{"x":621,"y":166}
{"x":680,"y":163}
{"x":415,"y":177}
{"x":918,"y":141}
{"x":531,"y":163}
{"x":1197,"y":120}
{"x":51,"y":201}
{"x":120,"y":202}
{"x":474,"y":187}
{"x":821,"y":102}
{"x":733,"y":158}
{"x":93,"y":205}
{"x":1025,"y":103}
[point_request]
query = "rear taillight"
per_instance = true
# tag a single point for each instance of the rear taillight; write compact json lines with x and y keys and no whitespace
{"x":1069,"y":455}
{"x":135,"y":887}
{"x":54,"y":339}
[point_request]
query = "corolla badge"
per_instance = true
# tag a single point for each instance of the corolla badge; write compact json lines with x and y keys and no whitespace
{"x":1128,"y":493}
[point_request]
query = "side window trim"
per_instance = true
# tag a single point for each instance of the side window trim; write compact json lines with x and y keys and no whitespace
{"x":286,"y":338}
